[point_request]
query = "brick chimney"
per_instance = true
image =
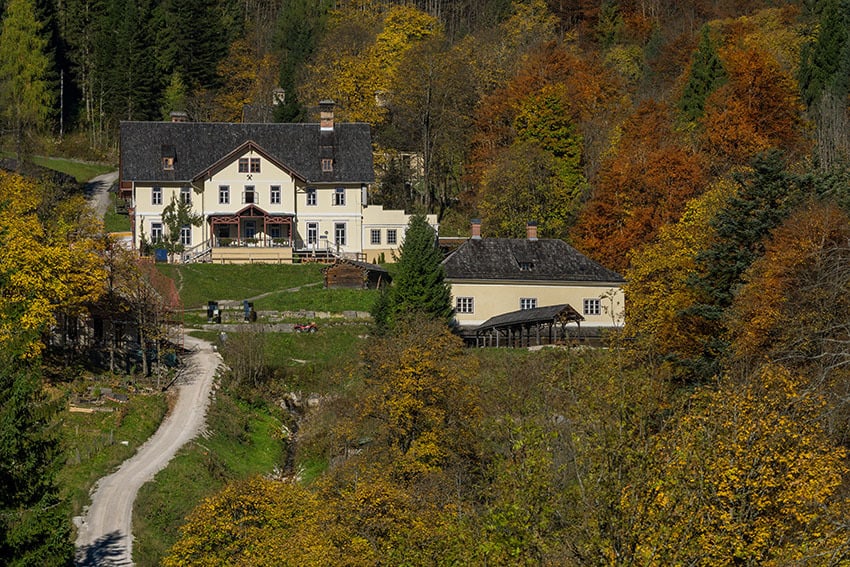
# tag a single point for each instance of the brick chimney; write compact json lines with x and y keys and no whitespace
{"x":326,"y":115}
{"x":531,"y":230}
{"x":476,"y":229}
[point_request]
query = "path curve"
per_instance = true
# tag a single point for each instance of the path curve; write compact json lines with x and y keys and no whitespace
{"x":97,"y":192}
{"x":104,"y":534}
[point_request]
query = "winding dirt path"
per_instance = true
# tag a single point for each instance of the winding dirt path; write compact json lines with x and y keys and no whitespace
{"x":104,"y":534}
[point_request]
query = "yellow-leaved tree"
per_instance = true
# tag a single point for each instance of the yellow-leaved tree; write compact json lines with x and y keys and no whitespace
{"x":49,"y":260}
{"x":746,"y":475}
{"x":658,"y":287}
{"x":356,"y":63}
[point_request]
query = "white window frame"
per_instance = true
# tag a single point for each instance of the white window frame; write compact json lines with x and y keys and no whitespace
{"x":186,"y":195}
{"x":157,"y":233}
{"x":340,"y":234}
{"x":465,"y":305}
{"x":339,"y":197}
{"x":312,"y":197}
{"x":327,"y":165}
{"x":186,"y":235}
{"x":250,"y":190}
{"x":375,"y":236}
{"x":591,"y":306}
{"x":312,"y":233}
{"x":224,"y":194}
{"x":274,"y":195}
{"x":392,"y":236}
{"x":527,"y":303}
{"x":156,"y":195}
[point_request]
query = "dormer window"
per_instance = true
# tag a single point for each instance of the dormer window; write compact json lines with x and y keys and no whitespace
{"x":327,"y":164}
{"x":526,"y":266}
{"x":168,"y":154}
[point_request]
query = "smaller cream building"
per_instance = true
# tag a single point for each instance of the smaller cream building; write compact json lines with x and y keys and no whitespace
{"x":494,"y":276}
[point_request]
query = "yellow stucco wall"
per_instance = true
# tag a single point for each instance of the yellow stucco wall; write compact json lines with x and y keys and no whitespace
{"x":491,"y":299}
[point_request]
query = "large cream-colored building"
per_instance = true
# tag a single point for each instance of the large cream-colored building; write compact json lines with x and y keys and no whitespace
{"x":490,"y":277}
{"x":264,"y":192}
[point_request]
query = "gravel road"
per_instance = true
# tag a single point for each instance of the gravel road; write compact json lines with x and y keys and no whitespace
{"x":104,"y":534}
{"x":97,"y":192}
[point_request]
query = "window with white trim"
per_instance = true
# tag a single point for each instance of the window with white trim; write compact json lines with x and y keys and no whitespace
{"x":392,"y":236}
{"x":592,"y":306}
{"x":327,"y":165}
{"x":249,"y":196}
{"x":312,"y":198}
{"x":464,"y":305}
{"x":224,"y":195}
{"x":339,"y":197}
{"x":186,"y":235}
{"x":186,"y":195}
{"x":375,"y":236}
{"x":156,"y":196}
{"x":528,"y":303}
{"x":274,"y":197}
{"x":156,"y":232}
{"x":339,"y":233}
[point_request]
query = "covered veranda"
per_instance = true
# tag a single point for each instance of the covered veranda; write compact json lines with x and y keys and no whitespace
{"x":528,"y":327}
{"x":251,"y":226}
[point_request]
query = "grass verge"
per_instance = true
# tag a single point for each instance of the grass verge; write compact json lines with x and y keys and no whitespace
{"x":242,"y":440}
{"x":93,"y":443}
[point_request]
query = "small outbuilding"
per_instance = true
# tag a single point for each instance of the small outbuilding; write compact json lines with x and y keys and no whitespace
{"x":354,"y":274}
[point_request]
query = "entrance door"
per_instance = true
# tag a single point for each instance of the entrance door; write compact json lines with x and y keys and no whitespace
{"x":312,"y":235}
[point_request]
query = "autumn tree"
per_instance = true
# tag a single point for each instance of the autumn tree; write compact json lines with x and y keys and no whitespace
{"x":247,"y":78}
{"x":357,"y":60}
{"x":46,"y":266}
{"x":790,"y":308}
{"x":659,"y":275}
{"x":640,"y":188}
{"x":26,"y":90}
{"x":758,"y":109}
{"x":745,"y":475}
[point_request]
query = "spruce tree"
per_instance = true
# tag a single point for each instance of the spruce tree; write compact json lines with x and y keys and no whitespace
{"x":26,"y":93}
{"x":706,"y":75}
{"x":34,"y":524}
{"x":419,"y":286}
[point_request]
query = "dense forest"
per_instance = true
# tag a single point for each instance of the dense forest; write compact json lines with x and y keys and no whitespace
{"x":700,"y":148}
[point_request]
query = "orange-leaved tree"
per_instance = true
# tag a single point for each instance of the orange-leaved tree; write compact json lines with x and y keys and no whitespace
{"x":642,"y":186}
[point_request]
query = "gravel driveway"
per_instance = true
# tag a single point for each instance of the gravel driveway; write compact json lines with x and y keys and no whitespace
{"x":104,"y":534}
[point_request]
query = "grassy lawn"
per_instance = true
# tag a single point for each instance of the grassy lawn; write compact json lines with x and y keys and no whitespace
{"x":81,"y":171}
{"x":242,"y":440}
{"x":112,"y":221}
{"x":199,"y":283}
{"x":93,"y":443}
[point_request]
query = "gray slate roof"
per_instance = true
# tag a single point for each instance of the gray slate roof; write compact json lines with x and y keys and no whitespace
{"x":198,"y":145}
{"x":524,"y":260}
